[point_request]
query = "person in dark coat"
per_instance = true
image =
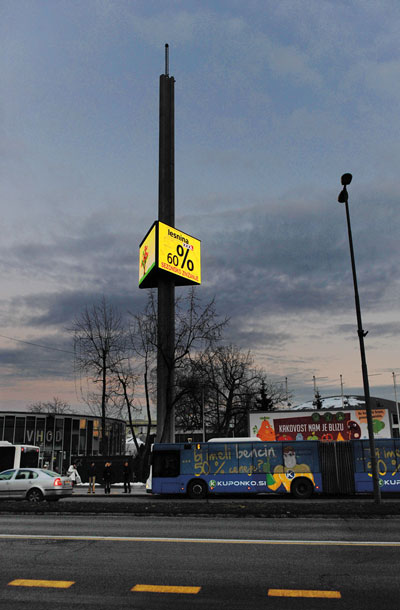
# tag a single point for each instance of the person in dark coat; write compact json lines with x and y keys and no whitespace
{"x":127,"y":473}
{"x":107,"y":476}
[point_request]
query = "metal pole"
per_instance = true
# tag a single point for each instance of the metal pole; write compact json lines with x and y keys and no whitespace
{"x":343,"y":198}
{"x":166,"y":284}
{"x":202,"y":415}
{"x":341,"y":390}
{"x":397,"y":404}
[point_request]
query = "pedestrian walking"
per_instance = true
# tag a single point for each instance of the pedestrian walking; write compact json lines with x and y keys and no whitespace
{"x":107,"y":476}
{"x":73,"y":474}
{"x":92,"y":478}
{"x":127,"y":474}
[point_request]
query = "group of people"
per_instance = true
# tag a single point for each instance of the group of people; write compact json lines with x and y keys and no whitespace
{"x":108,"y":475}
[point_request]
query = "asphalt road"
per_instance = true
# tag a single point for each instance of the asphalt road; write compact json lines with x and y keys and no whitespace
{"x":240,"y":505}
{"x":105,"y":561}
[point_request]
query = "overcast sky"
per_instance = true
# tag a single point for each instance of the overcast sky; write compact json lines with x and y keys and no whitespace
{"x":274,"y":101}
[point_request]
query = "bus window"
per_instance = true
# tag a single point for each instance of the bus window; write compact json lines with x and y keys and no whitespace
{"x":199,"y":465}
{"x":359,"y":457}
{"x":166,"y":463}
{"x":397,"y":451}
{"x":222,"y":458}
{"x":15,"y":456}
{"x":29,"y":457}
{"x":245,"y":453}
{"x":299,"y":457}
{"x":190,"y":455}
{"x":266,"y":457}
{"x":7,"y":457}
{"x":388,"y":456}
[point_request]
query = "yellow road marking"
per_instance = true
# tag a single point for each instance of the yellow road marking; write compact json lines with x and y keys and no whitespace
{"x":303,"y":593}
{"x":55,"y":584}
{"x":165,"y":589}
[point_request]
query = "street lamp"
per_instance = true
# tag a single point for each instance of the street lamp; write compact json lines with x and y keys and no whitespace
{"x":397,"y":403}
{"x":344,"y":198}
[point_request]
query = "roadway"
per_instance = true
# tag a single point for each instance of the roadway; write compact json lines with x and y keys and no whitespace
{"x":260,"y":506}
{"x":106,"y":561}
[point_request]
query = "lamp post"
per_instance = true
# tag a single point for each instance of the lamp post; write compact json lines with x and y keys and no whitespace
{"x":344,"y":198}
{"x":203,"y":421}
{"x":341,"y":390}
{"x":397,"y":403}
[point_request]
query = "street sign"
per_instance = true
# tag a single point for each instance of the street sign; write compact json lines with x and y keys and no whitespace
{"x":168,"y":250}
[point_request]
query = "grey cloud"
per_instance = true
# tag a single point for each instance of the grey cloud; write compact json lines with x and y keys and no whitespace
{"x":289,"y":256}
{"x":255,"y":339}
{"x":43,"y":357}
{"x":60,"y":309}
{"x":384,"y":329}
{"x":301,"y":259}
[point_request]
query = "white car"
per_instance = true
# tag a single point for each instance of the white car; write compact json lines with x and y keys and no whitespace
{"x":34,"y":484}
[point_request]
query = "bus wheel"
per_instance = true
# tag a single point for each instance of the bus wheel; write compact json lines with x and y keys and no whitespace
{"x":197,"y":489}
{"x":301,"y":488}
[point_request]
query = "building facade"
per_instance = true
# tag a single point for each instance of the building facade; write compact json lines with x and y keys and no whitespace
{"x":62,"y":436}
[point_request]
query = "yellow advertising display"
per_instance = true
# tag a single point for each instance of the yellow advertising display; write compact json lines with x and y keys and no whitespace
{"x":147,"y":257}
{"x":179,"y":253}
{"x":168,"y":250}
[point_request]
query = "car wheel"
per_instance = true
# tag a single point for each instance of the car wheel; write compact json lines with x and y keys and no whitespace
{"x":302,"y":488}
{"x":34,"y":495}
{"x":197,"y":489}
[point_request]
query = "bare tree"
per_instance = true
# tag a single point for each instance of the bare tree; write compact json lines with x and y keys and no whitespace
{"x":223,"y":385}
{"x":55,"y":406}
{"x":142,"y":333}
{"x":196,"y":328}
{"x":99,"y":348}
{"x":122,"y":394}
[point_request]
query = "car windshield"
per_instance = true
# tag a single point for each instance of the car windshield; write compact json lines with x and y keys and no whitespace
{"x":6,"y":475}
{"x":50,"y":473}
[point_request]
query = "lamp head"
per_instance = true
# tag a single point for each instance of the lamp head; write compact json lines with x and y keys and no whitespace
{"x":346,"y":179}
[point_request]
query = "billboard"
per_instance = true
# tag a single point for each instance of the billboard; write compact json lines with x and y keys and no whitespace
{"x":319,"y":426}
{"x":167,"y":250}
{"x":179,"y":253}
{"x":147,"y":255}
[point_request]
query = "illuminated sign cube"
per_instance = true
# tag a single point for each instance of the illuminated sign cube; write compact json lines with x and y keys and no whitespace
{"x":168,"y":250}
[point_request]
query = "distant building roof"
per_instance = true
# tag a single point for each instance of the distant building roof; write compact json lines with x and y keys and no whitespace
{"x":348,"y":402}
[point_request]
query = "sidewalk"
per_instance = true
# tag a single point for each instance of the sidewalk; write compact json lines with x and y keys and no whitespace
{"x":116,"y":490}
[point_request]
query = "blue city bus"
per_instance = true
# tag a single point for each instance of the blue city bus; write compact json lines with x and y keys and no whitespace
{"x":300,"y":468}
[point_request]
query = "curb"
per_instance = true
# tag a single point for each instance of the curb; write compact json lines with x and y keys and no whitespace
{"x":364,"y":509}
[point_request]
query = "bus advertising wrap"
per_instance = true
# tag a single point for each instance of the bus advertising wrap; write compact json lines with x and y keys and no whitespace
{"x":297,"y":467}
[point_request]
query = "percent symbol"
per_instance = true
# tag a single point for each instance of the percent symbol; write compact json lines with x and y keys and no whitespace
{"x":181,"y":252}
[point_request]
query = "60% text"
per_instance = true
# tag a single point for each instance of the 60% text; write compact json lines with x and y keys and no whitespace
{"x":180,"y":258}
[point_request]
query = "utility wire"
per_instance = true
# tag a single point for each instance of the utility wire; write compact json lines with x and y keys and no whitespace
{"x":55,"y":349}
